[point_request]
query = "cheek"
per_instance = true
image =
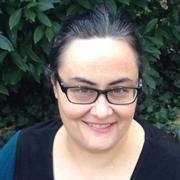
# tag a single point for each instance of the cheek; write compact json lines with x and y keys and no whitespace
{"x":127,"y":111}
{"x":70,"y":111}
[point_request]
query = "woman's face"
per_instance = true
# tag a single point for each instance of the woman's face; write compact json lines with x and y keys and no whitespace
{"x":100,"y":63}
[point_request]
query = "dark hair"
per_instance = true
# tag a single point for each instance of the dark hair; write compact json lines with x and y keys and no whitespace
{"x":99,"y":22}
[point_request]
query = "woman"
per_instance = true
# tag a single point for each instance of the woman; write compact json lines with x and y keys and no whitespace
{"x":96,"y":75}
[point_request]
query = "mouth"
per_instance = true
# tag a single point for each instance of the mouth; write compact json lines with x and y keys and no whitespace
{"x":100,"y":127}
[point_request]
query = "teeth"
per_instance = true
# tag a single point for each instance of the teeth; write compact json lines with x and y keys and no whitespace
{"x":99,"y":125}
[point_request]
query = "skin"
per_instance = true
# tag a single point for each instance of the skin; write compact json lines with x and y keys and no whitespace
{"x":99,"y":63}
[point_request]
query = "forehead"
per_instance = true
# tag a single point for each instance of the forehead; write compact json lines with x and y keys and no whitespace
{"x":99,"y":56}
{"x":94,"y":47}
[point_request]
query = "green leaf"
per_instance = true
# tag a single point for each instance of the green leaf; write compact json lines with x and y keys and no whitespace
{"x":2,"y":56}
{"x":12,"y":76}
{"x":156,"y":53}
{"x":177,"y":28}
{"x":176,"y":32}
{"x":98,"y":1}
{"x":152,"y":50}
{"x":43,"y":18}
{"x":35,"y":71}
{"x":151,"y":82}
{"x":111,"y":5}
{"x":176,"y":14}
{"x":46,"y":46}
{"x":151,"y":24}
{"x":56,"y":26}
{"x":177,"y":83}
{"x":164,"y":4}
{"x":158,"y":125}
{"x":15,"y":18}
{"x":39,"y":69}
{"x":141,"y":3}
{"x":4,"y":90}
{"x":85,"y":3}
{"x":19,"y":61}
{"x":153,"y":73}
{"x":16,"y":76}
{"x":38,"y":34}
{"x":30,"y":15}
{"x":45,"y":5}
{"x":63,"y":2}
{"x":32,"y":54}
{"x":157,"y":40}
{"x":163,"y":33}
{"x":124,"y":2}
{"x":5,"y":43}
{"x":31,"y":5}
{"x":163,"y":113}
{"x":73,"y":9}
{"x":49,"y":34}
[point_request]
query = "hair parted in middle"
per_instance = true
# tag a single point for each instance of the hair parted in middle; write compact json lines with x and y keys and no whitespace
{"x":97,"y":23}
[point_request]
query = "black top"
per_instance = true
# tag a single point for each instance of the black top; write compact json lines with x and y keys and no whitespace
{"x":159,"y":159}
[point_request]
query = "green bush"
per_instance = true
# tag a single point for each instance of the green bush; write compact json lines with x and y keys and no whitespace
{"x":27,"y":28}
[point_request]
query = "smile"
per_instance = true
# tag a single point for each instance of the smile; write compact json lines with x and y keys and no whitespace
{"x":98,"y":125}
{"x":101,"y":128}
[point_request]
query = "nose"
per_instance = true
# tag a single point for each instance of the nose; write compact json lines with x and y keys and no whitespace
{"x":101,"y":108}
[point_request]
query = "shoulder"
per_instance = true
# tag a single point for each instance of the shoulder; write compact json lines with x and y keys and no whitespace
{"x":9,"y":149}
{"x":160,"y":140}
{"x":34,"y":150}
{"x":160,"y":155}
{"x":39,"y":133}
{"x":7,"y":158}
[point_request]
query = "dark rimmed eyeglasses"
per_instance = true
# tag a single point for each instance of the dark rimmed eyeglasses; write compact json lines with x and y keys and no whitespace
{"x":85,"y":95}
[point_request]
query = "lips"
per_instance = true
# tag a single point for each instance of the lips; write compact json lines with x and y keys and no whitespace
{"x":99,"y":127}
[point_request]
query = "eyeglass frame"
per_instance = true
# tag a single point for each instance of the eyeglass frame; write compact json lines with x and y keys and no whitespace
{"x":99,"y":91}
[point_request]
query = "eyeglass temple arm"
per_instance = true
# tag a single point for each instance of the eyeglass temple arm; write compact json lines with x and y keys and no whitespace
{"x":140,"y":84}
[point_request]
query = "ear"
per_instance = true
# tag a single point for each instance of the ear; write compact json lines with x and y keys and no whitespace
{"x":54,"y":84}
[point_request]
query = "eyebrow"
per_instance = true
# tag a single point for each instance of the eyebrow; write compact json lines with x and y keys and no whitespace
{"x":83,"y":80}
{"x":121,"y":80}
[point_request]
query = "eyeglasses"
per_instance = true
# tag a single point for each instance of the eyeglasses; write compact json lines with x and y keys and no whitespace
{"x":84,"y":95}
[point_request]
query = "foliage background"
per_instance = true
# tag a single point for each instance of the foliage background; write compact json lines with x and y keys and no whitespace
{"x":27,"y":28}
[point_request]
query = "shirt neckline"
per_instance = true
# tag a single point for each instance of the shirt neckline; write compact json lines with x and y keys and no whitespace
{"x":138,"y":164}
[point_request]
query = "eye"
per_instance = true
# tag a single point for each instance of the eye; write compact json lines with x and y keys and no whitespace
{"x":82,"y":90}
{"x":120,"y":90}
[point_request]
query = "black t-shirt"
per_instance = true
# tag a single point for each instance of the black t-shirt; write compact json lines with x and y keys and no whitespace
{"x":159,"y":159}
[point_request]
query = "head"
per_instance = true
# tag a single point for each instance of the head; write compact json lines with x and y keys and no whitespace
{"x":95,"y":23}
{"x":100,"y":51}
